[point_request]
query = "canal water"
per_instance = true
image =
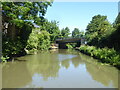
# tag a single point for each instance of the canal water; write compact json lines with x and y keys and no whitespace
{"x":58,"y":69}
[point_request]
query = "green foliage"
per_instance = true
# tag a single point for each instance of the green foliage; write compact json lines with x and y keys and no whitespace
{"x":69,"y":46}
{"x":33,"y":40}
{"x":52,"y":28}
{"x":23,"y":10}
{"x":65,"y":32}
{"x":38,"y":40}
{"x":106,"y":55}
{"x":16,"y":47}
{"x":76,"y":32}
{"x":111,"y":39}
{"x":98,"y":29}
{"x":114,"y":38}
{"x":11,"y":48}
{"x":44,"y":40}
{"x":117,"y":21}
{"x":4,"y":59}
{"x":19,"y":16}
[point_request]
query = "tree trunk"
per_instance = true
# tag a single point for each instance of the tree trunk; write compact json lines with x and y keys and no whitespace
{"x":11,"y":31}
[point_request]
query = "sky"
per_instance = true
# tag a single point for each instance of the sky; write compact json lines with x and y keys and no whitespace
{"x":79,"y":14}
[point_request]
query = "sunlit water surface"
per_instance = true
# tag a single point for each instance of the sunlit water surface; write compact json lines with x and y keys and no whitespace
{"x":58,"y":69}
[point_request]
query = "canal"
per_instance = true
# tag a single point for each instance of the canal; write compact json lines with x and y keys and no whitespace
{"x":60,"y":68}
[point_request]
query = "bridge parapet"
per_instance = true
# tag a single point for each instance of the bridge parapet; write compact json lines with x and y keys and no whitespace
{"x":65,"y":39}
{"x":71,"y":40}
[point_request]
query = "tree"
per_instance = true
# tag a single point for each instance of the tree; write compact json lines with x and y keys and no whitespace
{"x":65,"y":32}
{"x":76,"y":32}
{"x":38,"y":40}
{"x":114,"y":37}
{"x":117,"y":20}
{"x":98,"y":29}
{"x":17,"y":18}
{"x":17,"y":13}
{"x":53,"y":28}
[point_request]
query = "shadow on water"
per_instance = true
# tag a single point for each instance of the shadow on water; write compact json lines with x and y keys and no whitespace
{"x":50,"y":64}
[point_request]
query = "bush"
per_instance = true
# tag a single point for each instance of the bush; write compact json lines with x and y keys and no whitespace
{"x":106,"y":55}
{"x":38,"y":40}
{"x":4,"y":59}
{"x":11,"y":47}
{"x":69,"y":46}
{"x":44,"y":40}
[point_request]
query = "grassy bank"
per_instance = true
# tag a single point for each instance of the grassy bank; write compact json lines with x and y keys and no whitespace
{"x":105,"y":55}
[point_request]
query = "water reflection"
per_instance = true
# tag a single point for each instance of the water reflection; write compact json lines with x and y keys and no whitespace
{"x":65,"y":64}
{"x":58,"y":68}
{"x":15,"y":75}
{"x":101,"y":73}
{"x":77,"y":61}
{"x":45,"y":64}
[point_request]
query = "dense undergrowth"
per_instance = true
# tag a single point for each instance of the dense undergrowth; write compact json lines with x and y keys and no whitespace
{"x":105,"y":55}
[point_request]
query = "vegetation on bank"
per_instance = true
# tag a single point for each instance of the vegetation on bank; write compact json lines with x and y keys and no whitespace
{"x":105,"y":55}
{"x":103,"y":40}
{"x":18,"y":22}
{"x":25,"y":29}
{"x":38,"y":40}
{"x":70,"y":46}
{"x":101,"y":33}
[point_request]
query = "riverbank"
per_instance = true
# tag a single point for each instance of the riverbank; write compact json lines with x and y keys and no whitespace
{"x":53,"y":46}
{"x":104,"y":55}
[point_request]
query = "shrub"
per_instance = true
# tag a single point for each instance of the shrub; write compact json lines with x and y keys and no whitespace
{"x":69,"y":46}
{"x":4,"y":59}
{"x":11,"y":48}
{"x":104,"y":54}
{"x":38,"y":40}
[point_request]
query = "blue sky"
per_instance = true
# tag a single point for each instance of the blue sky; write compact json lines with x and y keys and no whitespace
{"x":79,"y":14}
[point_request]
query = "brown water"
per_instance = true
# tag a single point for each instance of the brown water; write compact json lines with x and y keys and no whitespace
{"x":58,"y":69}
